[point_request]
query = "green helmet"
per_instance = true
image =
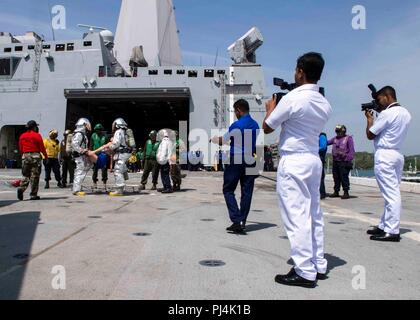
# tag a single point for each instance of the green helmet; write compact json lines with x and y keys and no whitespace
{"x":99,"y":127}
{"x":153,"y":133}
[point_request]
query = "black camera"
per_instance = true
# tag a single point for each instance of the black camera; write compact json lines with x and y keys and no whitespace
{"x":287,"y":87}
{"x":374,"y":104}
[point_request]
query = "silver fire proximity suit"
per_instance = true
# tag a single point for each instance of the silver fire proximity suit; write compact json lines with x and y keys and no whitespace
{"x":122,"y":153}
{"x":79,"y":145}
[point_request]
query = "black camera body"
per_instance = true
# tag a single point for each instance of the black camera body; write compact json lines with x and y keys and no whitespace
{"x":374,"y":105}
{"x":285,"y":86}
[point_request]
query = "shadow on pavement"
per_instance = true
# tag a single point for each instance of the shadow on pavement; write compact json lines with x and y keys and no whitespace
{"x":5,"y":203}
{"x":17,"y":232}
{"x":255,"y":226}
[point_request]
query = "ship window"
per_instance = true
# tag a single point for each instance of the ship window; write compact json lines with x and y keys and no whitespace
{"x":70,"y":46}
{"x":87,"y":43}
{"x":192,"y":74}
{"x":167,"y":72}
{"x":60,"y":47}
{"x":208,"y":73}
{"x":31,"y":47}
{"x":7,"y":49}
{"x":5,"y":67}
{"x":20,"y":48}
{"x":220,"y":71}
{"x":46,"y":46}
{"x":153,"y":72}
{"x":180,"y":72}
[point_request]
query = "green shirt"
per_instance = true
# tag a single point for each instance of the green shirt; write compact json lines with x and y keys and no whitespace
{"x":151,"y":149}
{"x":97,"y":141}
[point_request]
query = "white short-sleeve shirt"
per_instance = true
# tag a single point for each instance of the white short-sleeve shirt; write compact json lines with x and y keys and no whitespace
{"x":302,"y":114}
{"x":391,"y":128}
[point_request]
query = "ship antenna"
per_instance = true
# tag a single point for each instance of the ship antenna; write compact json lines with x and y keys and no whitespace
{"x":217,"y":56}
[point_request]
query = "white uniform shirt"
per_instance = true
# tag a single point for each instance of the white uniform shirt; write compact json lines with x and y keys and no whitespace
{"x":302,"y":114}
{"x":391,"y":128}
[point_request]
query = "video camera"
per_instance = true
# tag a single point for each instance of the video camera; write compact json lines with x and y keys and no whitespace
{"x":374,"y":104}
{"x":288,"y":87}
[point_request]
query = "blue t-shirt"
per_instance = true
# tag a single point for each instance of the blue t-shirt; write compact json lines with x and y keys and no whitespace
{"x":243,"y":136}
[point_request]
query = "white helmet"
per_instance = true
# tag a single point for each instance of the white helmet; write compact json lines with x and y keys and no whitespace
{"x":83,"y":123}
{"x":119,"y":124}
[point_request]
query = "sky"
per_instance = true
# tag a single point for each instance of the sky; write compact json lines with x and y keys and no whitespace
{"x":385,"y":53}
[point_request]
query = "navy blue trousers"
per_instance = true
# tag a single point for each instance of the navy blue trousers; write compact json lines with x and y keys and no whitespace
{"x":234,"y":174}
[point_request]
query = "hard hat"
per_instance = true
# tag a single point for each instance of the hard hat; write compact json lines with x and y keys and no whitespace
{"x":153,"y":133}
{"x":119,"y":124}
{"x":99,"y":127}
{"x":32,"y":124}
{"x":83,"y":122}
{"x":67,"y":132}
{"x":53,"y":134}
{"x":341,"y":128}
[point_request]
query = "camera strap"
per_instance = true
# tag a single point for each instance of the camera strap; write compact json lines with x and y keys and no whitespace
{"x":395,"y":104}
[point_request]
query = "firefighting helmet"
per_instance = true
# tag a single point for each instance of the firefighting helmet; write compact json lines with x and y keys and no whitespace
{"x":67,"y":132}
{"x":84,"y":123}
{"x":98,"y":127}
{"x":119,"y":124}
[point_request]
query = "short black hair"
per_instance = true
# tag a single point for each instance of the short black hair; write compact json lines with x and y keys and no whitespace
{"x":389,"y":91}
{"x":312,"y":64}
{"x":242,"y":105}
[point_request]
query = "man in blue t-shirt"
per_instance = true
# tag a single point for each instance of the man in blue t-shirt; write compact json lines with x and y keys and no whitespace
{"x":242,"y":137}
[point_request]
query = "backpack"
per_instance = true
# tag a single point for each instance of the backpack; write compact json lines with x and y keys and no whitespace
{"x":129,"y":139}
{"x":68,"y":141}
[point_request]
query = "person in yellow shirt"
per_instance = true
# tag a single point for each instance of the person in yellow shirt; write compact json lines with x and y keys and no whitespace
{"x":52,"y":145}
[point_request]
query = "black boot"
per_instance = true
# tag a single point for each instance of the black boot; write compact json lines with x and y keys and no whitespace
{"x":345,"y":195}
{"x":335,"y":195}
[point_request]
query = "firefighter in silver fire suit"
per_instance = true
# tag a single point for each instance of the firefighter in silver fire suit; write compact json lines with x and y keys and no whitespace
{"x":122,"y":152}
{"x":79,"y":146}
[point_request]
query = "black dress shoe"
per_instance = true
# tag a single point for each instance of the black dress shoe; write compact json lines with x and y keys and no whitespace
{"x":335,"y":195}
{"x":293,"y":279}
{"x":35,"y":198}
{"x":243,"y":225}
{"x":20,"y":194}
{"x":167,"y":191}
{"x":236,"y":228}
{"x":375,"y":231}
{"x":386,"y":237}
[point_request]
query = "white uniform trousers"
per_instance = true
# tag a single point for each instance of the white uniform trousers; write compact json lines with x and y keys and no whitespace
{"x":389,"y":165}
{"x":83,"y":166}
{"x":298,"y":181}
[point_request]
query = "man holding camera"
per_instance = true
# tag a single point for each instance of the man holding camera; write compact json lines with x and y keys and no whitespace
{"x":302,"y":114}
{"x":388,"y":131}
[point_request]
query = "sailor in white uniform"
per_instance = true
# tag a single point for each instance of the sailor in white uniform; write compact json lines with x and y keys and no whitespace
{"x":388,"y":131}
{"x":302,"y":114}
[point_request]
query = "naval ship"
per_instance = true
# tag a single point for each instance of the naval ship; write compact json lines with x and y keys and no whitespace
{"x":137,"y":75}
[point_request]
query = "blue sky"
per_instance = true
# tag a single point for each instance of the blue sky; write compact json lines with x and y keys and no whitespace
{"x":387,"y":52}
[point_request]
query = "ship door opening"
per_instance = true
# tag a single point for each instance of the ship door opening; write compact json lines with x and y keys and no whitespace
{"x":143,"y":114}
{"x":9,"y":146}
